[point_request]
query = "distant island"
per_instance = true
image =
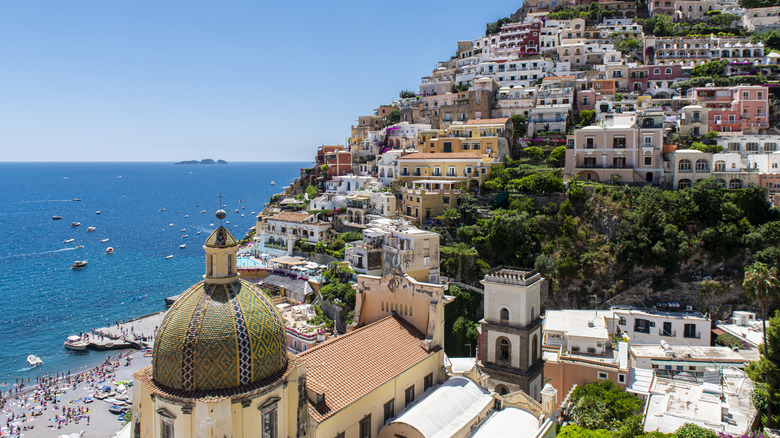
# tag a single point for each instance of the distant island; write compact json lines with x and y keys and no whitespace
{"x":205,"y":161}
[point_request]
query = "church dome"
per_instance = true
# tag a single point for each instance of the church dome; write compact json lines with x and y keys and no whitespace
{"x":222,"y":332}
{"x":219,"y":336}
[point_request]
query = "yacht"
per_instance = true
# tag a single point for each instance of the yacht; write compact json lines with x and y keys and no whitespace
{"x":186,"y":215}
{"x":236,"y":210}
{"x":68,"y":241}
{"x":78,"y":247}
{"x":78,"y":264}
{"x":103,"y":240}
{"x":203,"y":211}
{"x":75,"y":343}
{"x":169,"y":257}
{"x":183,"y":230}
{"x":273,"y":183}
{"x":110,"y":250}
{"x":162,"y":209}
{"x":98,"y":212}
{"x":34,"y":360}
{"x":182,"y":246}
{"x":76,"y":200}
{"x":91,"y":229}
{"x":184,"y":236}
{"x":56,"y":218}
{"x":75,"y":224}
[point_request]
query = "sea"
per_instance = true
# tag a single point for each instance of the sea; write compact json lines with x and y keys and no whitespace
{"x":146,"y":210}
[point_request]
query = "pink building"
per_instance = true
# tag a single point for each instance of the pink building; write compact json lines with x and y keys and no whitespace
{"x":732,"y":109}
{"x":620,"y":151}
{"x":660,"y":76}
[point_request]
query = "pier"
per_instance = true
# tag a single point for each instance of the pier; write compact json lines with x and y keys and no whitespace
{"x":137,"y":333}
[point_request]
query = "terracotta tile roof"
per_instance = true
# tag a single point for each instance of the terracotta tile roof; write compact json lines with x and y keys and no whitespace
{"x":351,"y":366}
{"x":486,"y":121}
{"x":551,"y":78}
{"x":440,"y":155}
{"x":290,"y":216}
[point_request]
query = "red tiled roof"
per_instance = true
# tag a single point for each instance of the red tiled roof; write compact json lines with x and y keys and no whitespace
{"x":440,"y":155}
{"x":289,"y":216}
{"x":557,"y":77}
{"x":351,"y":366}
{"x":484,"y":122}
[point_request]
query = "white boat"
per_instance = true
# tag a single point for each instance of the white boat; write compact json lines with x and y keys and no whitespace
{"x":162,"y":209}
{"x":78,"y":247}
{"x":98,"y":212}
{"x":198,"y":232}
{"x":183,"y":246}
{"x":242,"y":214}
{"x":76,"y":200}
{"x":273,"y":183}
{"x":68,"y":240}
{"x":75,"y":224}
{"x":236,"y":210}
{"x":227,"y":222}
{"x":79,"y":264}
{"x":109,"y":250}
{"x":103,"y":240}
{"x":170,"y":225}
{"x":169,"y":257}
{"x":183,"y":230}
{"x":184,"y":236}
{"x":203,"y":211}
{"x":91,"y":229}
{"x":34,"y":360}
{"x":186,"y":215}
{"x":56,"y":218}
{"x":75,"y":342}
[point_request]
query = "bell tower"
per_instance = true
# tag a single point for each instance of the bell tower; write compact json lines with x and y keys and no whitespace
{"x":510,"y":343}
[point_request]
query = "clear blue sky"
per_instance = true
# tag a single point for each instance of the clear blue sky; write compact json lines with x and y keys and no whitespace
{"x":142,"y":80}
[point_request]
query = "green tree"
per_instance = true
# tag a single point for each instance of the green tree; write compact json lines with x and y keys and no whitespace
{"x":520,"y":124}
{"x":587,"y":117}
{"x":311,"y":191}
{"x":534,"y":152}
{"x":393,"y":118}
{"x":406,"y":94}
{"x":690,"y":430}
{"x":712,"y":68}
{"x":557,"y":157}
{"x":724,"y":20}
{"x":603,"y":405}
{"x":762,"y":285}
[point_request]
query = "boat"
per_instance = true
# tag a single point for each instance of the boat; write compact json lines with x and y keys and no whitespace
{"x":103,"y":240}
{"x":273,"y":183}
{"x":109,"y":250}
{"x":162,"y":209}
{"x":198,"y":232}
{"x":75,"y":224}
{"x":169,"y":257}
{"x":184,"y":236}
{"x":68,"y":240}
{"x":98,"y":212}
{"x":78,"y":264}
{"x":56,"y":218}
{"x":34,"y":360}
{"x":242,"y":214}
{"x":76,"y":200}
{"x":78,"y":247}
{"x":236,"y":210}
{"x":170,"y":225}
{"x":227,"y":222}
{"x":186,"y":215}
{"x":203,"y":211}
{"x":183,"y":246}
{"x":116,"y":409}
{"x":88,"y":399}
{"x":183,"y":230}
{"x":75,"y":342}
{"x":91,"y":229}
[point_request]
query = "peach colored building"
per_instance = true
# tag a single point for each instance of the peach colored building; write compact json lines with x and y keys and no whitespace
{"x":731,"y":109}
{"x":619,"y":150}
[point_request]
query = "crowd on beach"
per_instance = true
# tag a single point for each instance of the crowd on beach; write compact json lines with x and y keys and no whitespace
{"x":124,"y":333}
{"x":42,"y":398}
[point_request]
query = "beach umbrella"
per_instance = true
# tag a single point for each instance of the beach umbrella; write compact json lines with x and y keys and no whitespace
{"x":121,"y":388}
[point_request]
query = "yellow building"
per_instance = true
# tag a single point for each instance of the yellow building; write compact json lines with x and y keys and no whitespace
{"x":423,"y":200}
{"x":470,"y":167}
{"x":489,"y":137}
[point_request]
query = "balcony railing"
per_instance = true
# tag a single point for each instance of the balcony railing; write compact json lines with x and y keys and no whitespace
{"x":663,"y":332}
{"x":689,"y":335}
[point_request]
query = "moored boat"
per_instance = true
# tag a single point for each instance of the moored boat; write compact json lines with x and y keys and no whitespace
{"x":75,"y":342}
{"x":91,"y":229}
{"x":182,"y":246}
{"x":75,"y":224}
{"x":76,"y":200}
{"x":103,"y":240}
{"x":109,"y":250}
{"x":98,"y":212}
{"x":68,"y":240}
{"x":34,"y":360}
{"x":78,"y":264}
{"x":169,"y":257}
{"x":56,"y":218}
{"x":273,"y":183}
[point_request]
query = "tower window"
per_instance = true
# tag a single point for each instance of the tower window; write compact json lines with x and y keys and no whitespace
{"x":504,"y":315}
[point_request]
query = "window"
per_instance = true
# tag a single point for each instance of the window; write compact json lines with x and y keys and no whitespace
{"x":447,"y":146}
{"x":451,"y":171}
{"x":409,"y":395}
{"x":745,"y":95}
{"x":437,"y":171}
{"x":751,"y":147}
{"x":269,"y":421}
{"x":760,"y":95}
{"x":621,"y":378}
{"x":504,"y":314}
{"x":702,"y":166}
{"x":689,"y":331}
{"x":340,"y":435}
{"x":603,"y":375}
{"x":590,"y":143}
{"x":365,"y":427}
{"x":166,"y":427}
{"x":667,"y":330}
{"x":684,"y":166}
{"x":648,"y":161}
{"x":733,"y":147}
{"x":426,"y":261}
{"x":622,"y":320}
{"x":668,"y":71}
{"x":428,"y":382}
{"x":389,"y":410}
{"x":641,"y":325}
{"x":720,"y":166}
{"x":504,"y":350}
{"x":619,"y":162}
{"x":619,"y":143}
{"x":590,"y":162}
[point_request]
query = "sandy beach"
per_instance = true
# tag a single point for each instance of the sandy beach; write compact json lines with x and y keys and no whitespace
{"x":51,"y":406}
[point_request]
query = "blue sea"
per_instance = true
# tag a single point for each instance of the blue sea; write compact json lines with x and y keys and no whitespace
{"x":43,"y":300}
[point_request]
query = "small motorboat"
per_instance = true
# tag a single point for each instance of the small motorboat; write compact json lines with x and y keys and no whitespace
{"x":169,"y":257}
{"x":211,"y":224}
{"x":79,"y":264}
{"x":34,"y":360}
{"x":198,"y":232}
{"x":162,"y":209}
{"x":75,"y":342}
{"x":182,"y":246}
{"x":103,"y":240}
{"x":184,"y":236}
{"x":78,"y":247}
{"x":109,"y":250}
{"x":186,"y":215}
{"x":227,"y":222}
{"x":75,"y":224}
{"x":183,"y":230}
{"x":203,"y":211}
{"x":242,"y":214}
{"x":273,"y":183}
{"x":116,"y":409}
{"x":68,"y":240}
{"x":236,"y":210}
{"x":91,"y":229}
{"x":98,"y":212}
{"x":56,"y":218}
{"x":170,"y":225}
{"x":76,"y":200}
{"x":88,"y":399}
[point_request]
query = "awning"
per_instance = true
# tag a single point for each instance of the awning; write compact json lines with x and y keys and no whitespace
{"x":288,"y":260}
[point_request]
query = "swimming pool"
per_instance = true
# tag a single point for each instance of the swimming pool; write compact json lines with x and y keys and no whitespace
{"x":249,"y":263}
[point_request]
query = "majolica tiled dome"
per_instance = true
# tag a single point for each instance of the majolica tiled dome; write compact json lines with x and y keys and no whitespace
{"x":221,"y":333}
{"x":219,"y":336}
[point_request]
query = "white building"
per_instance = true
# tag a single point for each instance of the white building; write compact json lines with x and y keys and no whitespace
{"x":673,"y":327}
{"x":347,"y":184}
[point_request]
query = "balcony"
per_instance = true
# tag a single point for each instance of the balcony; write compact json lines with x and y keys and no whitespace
{"x":689,"y":335}
{"x":672,"y":333}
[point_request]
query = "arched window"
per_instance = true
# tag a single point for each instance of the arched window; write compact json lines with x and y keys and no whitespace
{"x":503,"y":350}
{"x":658,"y":70}
{"x":751,"y":147}
{"x":532,"y":316}
{"x":684,"y":165}
{"x":669,"y":70}
{"x":721,"y":182}
{"x":702,"y":166}
{"x":720,"y":166}
{"x":735,"y":184}
{"x":504,"y":314}
{"x":501,"y":390}
{"x":534,"y":348}
{"x":684,"y":184}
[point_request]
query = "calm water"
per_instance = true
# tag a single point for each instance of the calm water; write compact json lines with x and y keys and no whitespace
{"x":42,"y":300}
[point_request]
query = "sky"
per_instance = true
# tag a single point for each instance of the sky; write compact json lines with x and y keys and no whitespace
{"x":170,"y":80}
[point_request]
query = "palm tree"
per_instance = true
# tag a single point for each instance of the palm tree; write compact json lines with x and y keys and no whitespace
{"x":761,"y":284}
